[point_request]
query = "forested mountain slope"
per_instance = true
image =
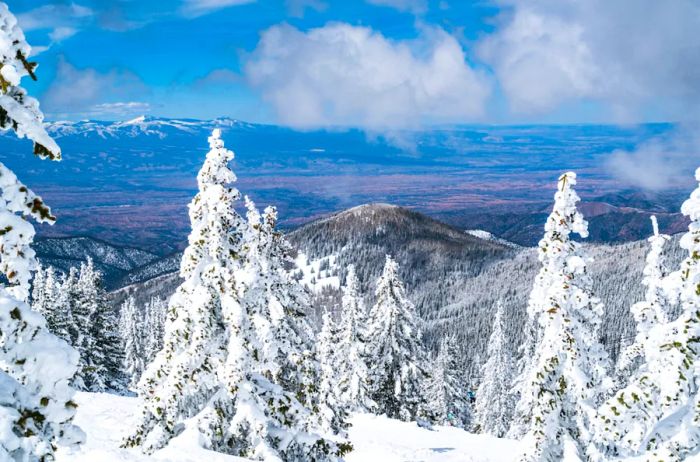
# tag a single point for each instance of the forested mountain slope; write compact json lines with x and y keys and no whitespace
{"x":453,"y":277}
{"x":114,"y":262}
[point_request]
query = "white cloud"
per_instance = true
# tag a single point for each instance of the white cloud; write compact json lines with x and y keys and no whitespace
{"x":218,"y":77}
{"x":81,"y":92}
{"x":62,"y":33}
{"x":53,"y":16}
{"x":194,"y":8}
{"x":412,"y":6}
{"x":297,"y":8}
{"x":353,"y":76}
{"x":660,"y":163}
{"x":625,"y":55}
{"x":64,"y":20}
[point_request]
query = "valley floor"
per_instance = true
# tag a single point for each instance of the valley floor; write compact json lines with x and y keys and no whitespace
{"x":106,"y":418}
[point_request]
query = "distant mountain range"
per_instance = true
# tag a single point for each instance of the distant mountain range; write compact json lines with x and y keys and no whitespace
{"x":141,"y":126}
{"x":129,"y":183}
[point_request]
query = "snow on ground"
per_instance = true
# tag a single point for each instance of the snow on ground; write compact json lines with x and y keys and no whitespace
{"x":107,"y":418}
{"x":487,"y":236}
{"x":377,"y":438}
{"x":313,"y":276}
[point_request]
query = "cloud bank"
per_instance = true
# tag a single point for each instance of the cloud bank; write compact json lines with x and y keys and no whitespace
{"x":89,"y":93}
{"x":625,"y":55}
{"x":666,"y":162}
{"x":343,"y":75}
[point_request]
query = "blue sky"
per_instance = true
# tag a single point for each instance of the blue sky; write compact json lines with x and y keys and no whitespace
{"x":374,"y":64}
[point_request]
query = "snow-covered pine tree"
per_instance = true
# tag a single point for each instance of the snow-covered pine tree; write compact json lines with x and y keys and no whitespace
{"x":396,"y":356}
{"x":281,"y":388}
{"x":185,"y":374}
{"x":36,"y":401}
{"x":332,"y":411}
{"x":447,"y":390}
{"x":69,"y":298}
{"x":131,"y":329}
{"x":99,"y":344}
{"x":48,"y":301}
{"x":657,"y":414}
{"x":494,"y":404}
{"x":569,"y":374}
{"x":155,"y":314}
{"x":38,"y":293}
{"x":519,"y":392}
{"x":352,"y":371}
{"x":652,"y":310}
{"x":289,"y":303}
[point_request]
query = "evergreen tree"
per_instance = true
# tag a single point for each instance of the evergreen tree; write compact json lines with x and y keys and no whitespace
{"x":493,"y":399}
{"x":69,"y":299}
{"x":185,"y":374}
{"x":38,"y":294}
{"x":657,"y":415}
{"x":220,"y":359}
{"x":284,"y":387}
{"x":154,"y":330}
{"x":47,"y":299}
{"x":331,"y":411}
{"x":98,"y":339}
{"x":520,"y":387}
{"x":36,"y":401}
{"x":396,"y":356}
{"x":447,"y":390}
{"x":652,"y":310}
{"x":352,"y":370}
{"x":569,"y":377}
{"x":133,"y":335}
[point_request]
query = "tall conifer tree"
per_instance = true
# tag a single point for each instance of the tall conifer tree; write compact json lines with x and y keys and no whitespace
{"x":185,"y":374}
{"x":395,"y":352}
{"x":657,"y":415}
{"x":493,"y":399}
{"x":353,"y":373}
{"x":36,"y":401}
{"x":568,"y":377}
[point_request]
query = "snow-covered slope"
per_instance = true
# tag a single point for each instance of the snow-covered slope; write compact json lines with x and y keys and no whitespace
{"x":114,"y":262}
{"x":107,"y":418}
{"x":455,"y":279}
{"x":481,"y":234}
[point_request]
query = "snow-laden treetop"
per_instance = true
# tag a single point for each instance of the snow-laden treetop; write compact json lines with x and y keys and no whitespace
{"x":565,"y":218}
{"x":215,"y":169}
{"x":19,"y":111}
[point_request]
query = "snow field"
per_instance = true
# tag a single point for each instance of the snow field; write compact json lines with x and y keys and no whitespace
{"x":107,"y":418}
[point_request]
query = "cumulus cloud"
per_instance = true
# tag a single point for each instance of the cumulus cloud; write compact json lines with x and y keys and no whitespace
{"x":661,"y":163}
{"x":631,"y":58}
{"x":194,"y":8}
{"x":625,"y":55}
{"x":86,"y":92}
{"x":353,"y":76}
{"x":412,"y":6}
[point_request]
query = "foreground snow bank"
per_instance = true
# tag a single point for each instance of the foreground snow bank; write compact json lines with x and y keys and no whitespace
{"x":106,"y":419}
{"x":377,"y":438}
